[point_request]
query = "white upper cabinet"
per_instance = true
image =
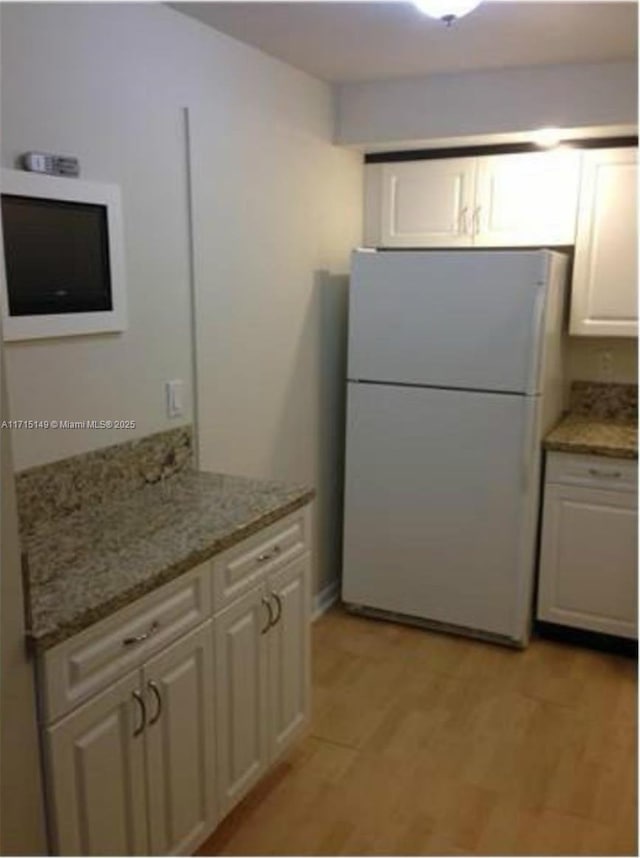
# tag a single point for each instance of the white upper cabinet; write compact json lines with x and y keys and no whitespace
{"x":604,"y":291}
{"x":510,"y":200}
{"x":427,"y":203}
{"x":526,"y":199}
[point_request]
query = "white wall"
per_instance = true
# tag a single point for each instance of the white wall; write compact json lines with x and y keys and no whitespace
{"x":584,"y":359}
{"x":486,"y":103}
{"x":276,"y":203}
{"x":271,"y":312}
{"x":99,"y":83}
{"x":106,"y":82}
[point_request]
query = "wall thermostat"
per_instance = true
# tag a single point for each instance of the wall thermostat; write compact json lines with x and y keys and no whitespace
{"x":55,"y":165}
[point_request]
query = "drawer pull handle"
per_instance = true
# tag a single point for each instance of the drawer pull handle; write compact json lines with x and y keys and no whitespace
{"x":278,"y":602}
{"x":268,"y":555}
{"x":611,"y":474}
{"x":267,"y":604}
{"x":156,"y":693}
{"x":143,"y":713}
{"x":136,"y":639}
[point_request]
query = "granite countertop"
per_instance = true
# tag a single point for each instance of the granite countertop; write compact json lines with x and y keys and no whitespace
{"x":598,"y":436}
{"x":100,"y":558}
{"x":602,"y":421}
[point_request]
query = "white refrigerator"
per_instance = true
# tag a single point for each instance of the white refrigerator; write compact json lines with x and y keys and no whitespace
{"x":454,"y":376}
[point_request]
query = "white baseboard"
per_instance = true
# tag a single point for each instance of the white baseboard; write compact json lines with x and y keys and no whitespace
{"x":323,"y":600}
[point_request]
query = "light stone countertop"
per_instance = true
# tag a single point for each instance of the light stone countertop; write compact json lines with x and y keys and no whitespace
{"x":596,"y":436}
{"x":102,"y":557}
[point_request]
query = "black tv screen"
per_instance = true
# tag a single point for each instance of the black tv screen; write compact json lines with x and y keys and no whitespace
{"x":56,"y":256}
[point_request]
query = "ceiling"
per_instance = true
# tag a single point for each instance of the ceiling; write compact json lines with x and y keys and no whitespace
{"x":372,"y":40}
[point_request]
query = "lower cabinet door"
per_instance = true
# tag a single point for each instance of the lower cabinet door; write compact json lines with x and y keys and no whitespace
{"x":289,"y":655}
{"x":180,"y":736}
{"x":241,"y":695}
{"x":588,"y":560}
{"x":96,"y":777}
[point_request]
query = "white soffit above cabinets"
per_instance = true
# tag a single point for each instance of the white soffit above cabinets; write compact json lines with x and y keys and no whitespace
{"x":370,"y":40}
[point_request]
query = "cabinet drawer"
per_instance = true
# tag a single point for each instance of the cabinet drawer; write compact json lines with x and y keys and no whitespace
{"x":79,"y":667}
{"x":240,"y":568}
{"x":593,"y":471}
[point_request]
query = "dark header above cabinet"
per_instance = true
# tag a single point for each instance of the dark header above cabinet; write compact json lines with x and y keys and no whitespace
{"x":495,"y":149}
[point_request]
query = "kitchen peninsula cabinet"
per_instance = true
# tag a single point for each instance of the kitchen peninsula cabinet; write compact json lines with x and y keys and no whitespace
{"x":159,"y":717}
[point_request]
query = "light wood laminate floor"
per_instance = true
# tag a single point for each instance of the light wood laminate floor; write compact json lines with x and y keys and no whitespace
{"x":426,"y":744}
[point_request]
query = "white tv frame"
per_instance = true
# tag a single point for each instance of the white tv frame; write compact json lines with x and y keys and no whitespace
{"x":24,"y":184}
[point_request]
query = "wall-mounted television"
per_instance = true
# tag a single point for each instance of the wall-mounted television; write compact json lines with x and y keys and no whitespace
{"x":64,"y":257}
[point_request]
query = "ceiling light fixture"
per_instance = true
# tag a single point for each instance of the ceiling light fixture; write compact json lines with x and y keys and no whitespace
{"x":446,"y":10}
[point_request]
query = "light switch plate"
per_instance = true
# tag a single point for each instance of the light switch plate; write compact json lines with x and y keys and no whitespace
{"x":174,"y":398}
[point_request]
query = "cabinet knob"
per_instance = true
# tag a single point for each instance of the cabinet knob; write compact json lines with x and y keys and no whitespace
{"x":156,"y":693}
{"x":278,"y":602}
{"x":143,"y":713}
{"x":267,"y":603}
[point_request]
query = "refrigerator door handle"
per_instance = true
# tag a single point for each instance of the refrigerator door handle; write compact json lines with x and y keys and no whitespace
{"x":537,"y":344}
{"x":529,"y":439}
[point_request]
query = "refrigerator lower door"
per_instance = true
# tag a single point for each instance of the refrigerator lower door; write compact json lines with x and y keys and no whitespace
{"x":440,"y":501}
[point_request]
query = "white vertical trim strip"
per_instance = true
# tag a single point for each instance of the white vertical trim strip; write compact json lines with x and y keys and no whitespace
{"x":192,"y":287}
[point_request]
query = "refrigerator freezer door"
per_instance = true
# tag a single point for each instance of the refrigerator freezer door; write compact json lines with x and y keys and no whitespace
{"x":439,"y":486}
{"x":462,"y":319}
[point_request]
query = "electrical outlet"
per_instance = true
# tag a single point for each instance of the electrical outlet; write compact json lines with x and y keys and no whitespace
{"x":605,"y":365}
{"x":174,"y":398}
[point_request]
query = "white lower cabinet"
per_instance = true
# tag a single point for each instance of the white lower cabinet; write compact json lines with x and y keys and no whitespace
{"x":180,"y":744}
{"x":149,"y":737}
{"x":262,"y":678}
{"x":289,"y":656}
{"x":588,"y":560}
{"x":96,"y":784}
{"x":132,"y":770}
{"x":241,"y":692}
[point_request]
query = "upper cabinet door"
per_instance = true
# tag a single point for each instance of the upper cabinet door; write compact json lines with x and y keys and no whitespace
{"x":604,"y":292}
{"x":526,"y":199}
{"x":427,"y":203}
